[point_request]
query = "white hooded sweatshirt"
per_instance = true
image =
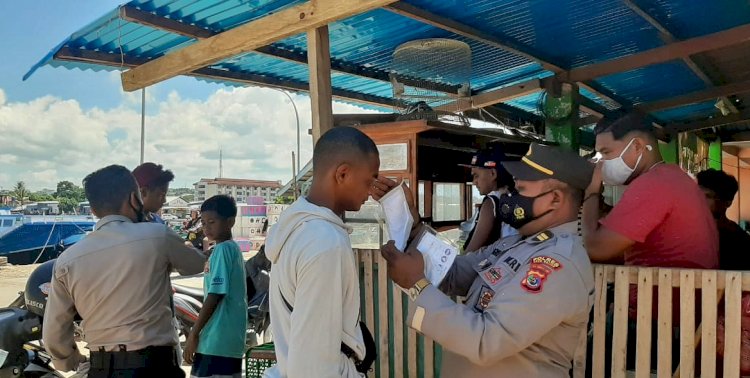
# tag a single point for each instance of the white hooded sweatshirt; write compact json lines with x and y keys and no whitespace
{"x":315,"y":270}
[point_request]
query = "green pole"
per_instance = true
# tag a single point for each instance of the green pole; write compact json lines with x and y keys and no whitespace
{"x":714,"y":155}
{"x":561,"y":111}
{"x":669,"y":151}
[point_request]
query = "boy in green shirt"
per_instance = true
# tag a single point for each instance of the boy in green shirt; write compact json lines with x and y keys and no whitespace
{"x":217,"y":342}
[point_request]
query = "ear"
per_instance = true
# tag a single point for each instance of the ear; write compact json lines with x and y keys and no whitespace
{"x":144,"y":191}
{"x":493,"y":174}
{"x":135,"y":200}
{"x":231,"y":222}
{"x":557,"y":198}
{"x":342,"y":171}
{"x":641,"y":145}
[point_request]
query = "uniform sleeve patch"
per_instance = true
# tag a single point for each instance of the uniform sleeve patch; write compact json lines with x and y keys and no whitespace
{"x":540,"y":269}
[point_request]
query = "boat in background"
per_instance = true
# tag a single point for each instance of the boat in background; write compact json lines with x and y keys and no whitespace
{"x":10,"y":221}
{"x":36,"y":242}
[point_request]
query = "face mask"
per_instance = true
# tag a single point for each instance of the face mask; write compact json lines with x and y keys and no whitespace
{"x":517,"y":210}
{"x":616,"y":171}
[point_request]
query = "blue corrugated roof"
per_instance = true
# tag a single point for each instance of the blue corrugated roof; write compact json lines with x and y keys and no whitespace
{"x":566,"y":33}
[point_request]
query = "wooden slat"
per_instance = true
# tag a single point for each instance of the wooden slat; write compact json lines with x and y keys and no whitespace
{"x":398,"y":333}
{"x":708,"y":323}
{"x":383,"y":318}
{"x":675,"y":280}
{"x":369,"y":288}
{"x":412,"y":340}
{"x":600,"y":321}
{"x":429,"y":358}
{"x":687,"y":324}
{"x":664,"y":332}
{"x":643,"y":325}
{"x":620,"y":327}
{"x":260,"y":32}
{"x":732,"y":325}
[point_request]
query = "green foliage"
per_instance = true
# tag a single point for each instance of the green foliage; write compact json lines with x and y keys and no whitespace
{"x":284,"y":200}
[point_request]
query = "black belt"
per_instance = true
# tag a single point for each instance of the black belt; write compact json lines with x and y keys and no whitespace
{"x":124,"y":359}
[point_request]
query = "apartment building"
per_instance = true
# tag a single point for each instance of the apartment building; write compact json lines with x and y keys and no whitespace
{"x":239,"y":189}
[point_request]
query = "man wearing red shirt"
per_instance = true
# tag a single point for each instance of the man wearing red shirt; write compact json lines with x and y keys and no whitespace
{"x":662,"y":219}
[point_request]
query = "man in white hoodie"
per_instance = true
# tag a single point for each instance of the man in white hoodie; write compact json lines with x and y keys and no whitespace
{"x":314,"y":286}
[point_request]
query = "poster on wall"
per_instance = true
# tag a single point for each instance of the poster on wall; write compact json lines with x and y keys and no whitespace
{"x":394,"y":157}
{"x":693,"y":153}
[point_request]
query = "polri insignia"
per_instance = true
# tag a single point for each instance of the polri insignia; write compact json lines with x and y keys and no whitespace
{"x":485,"y":297}
{"x":493,"y":275}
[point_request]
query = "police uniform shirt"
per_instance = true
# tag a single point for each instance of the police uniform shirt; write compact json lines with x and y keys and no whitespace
{"x":527,"y":305}
{"x":117,"y":279}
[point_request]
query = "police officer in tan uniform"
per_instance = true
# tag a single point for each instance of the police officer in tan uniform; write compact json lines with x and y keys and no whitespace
{"x":528,"y":296}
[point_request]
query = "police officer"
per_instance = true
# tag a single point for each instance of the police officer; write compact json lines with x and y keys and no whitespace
{"x":528,"y":296}
{"x":117,"y":280}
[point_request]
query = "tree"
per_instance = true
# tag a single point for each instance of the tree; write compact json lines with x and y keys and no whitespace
{"x":66,"y":189}
{"x":284,"y":200}
{"x":19,"y":192}
{"x":38,"y":197}
{"x":68,"y":205}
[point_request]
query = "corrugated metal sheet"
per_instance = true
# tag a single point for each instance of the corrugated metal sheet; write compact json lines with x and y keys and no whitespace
{"x":564,"y":32}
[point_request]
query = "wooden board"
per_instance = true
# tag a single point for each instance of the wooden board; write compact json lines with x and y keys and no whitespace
{"x":383,"y":348}
{"x":398,"y":332}
{"x":643,"y":324}
{"x":620,"y":326}
{"x":687,"y":324}
{"x":600,"y":321}
{"x":319,"y":63}
{"x":708,"y":323}
{"x":733,"y":303}
{"x":664,"y":331}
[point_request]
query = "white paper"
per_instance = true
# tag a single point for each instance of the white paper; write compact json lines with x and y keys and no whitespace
{"x":398,"y":218}
{"x":438,"y":257}
{"x":3,"y":356}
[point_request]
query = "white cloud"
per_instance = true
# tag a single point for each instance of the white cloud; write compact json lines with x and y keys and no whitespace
{"x":50,"y":139}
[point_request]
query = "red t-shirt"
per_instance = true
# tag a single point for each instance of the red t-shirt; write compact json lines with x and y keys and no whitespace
{"x":667,"y":216}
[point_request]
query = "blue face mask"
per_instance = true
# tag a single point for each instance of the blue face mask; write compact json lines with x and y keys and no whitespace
{"x":517,"y":210}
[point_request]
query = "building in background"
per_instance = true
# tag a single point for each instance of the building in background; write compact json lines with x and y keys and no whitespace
{"x":239,"y":189}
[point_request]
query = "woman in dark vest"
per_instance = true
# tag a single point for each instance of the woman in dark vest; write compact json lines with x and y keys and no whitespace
{"x":492,"y":181}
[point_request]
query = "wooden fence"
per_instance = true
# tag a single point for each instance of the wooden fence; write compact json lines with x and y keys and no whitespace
{"x":404,"y":353}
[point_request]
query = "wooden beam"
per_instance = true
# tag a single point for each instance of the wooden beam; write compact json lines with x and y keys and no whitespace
{"x":135,"y":15}
{"x":245,"y":38}
{"x":731,"y":119}
{"x":319,"y":56}
{"x":696,"y":97}
{"x":668,"y":37}
{"x":677,"y":50}
{"x":247,"y":78}
{"x":485,"y":99}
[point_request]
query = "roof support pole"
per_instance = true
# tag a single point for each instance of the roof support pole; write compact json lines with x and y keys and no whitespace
{"x":561,"y":113}
{"x":143,"y":123}
{"x":319,"y":61}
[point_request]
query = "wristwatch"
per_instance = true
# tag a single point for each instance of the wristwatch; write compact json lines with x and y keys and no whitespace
{"x":415,"y":290}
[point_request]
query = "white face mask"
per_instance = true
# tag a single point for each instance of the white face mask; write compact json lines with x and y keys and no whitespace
{"x":616,"y":171}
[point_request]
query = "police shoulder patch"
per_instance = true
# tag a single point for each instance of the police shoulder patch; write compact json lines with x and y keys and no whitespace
{"x":540,"y":269}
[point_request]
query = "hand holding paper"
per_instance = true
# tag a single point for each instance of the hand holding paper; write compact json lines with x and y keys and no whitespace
{"x":398,"y":216}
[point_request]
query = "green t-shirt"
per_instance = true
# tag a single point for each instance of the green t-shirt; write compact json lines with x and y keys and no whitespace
{"x":224,"y":334}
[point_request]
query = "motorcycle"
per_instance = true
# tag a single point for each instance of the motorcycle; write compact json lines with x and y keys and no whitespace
{"x":22,"y":352}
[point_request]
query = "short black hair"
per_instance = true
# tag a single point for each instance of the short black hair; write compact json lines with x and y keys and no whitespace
{"x":107,"y":188}
{"x":634,"y":121}
{"x":164,"y":179}
{"x":723,"y":184}
{"x":222,"y":204}
{"x":341,"y":144}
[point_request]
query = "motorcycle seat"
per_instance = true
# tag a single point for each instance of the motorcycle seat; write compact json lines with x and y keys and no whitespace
{"x":192,"y":292}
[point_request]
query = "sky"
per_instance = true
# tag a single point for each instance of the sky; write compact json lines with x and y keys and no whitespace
{"x":62,"y":124}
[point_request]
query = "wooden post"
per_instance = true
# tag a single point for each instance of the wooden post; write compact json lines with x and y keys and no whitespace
{"x":319,"y":61}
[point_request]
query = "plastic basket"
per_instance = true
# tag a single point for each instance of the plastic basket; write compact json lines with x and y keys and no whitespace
{"x":258,"y":359}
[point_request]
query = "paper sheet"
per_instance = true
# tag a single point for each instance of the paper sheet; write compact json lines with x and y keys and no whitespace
{"x":398,"y":218}
{"x":438,"y":257}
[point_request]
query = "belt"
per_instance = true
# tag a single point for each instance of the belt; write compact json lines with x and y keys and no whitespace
{"x":141,"y":358}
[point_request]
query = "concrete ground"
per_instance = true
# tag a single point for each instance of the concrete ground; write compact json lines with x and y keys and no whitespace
{"x":13,"y":279}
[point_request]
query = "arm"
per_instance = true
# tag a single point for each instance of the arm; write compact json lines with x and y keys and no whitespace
{"x":507,"y":326}
{"x":317,"y":320}
{"x":602,"y":244}
{"x":184,"y":259}
{"x":207,"y":311}
{"x":484,"y":227}
{"x":58,"y":326}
